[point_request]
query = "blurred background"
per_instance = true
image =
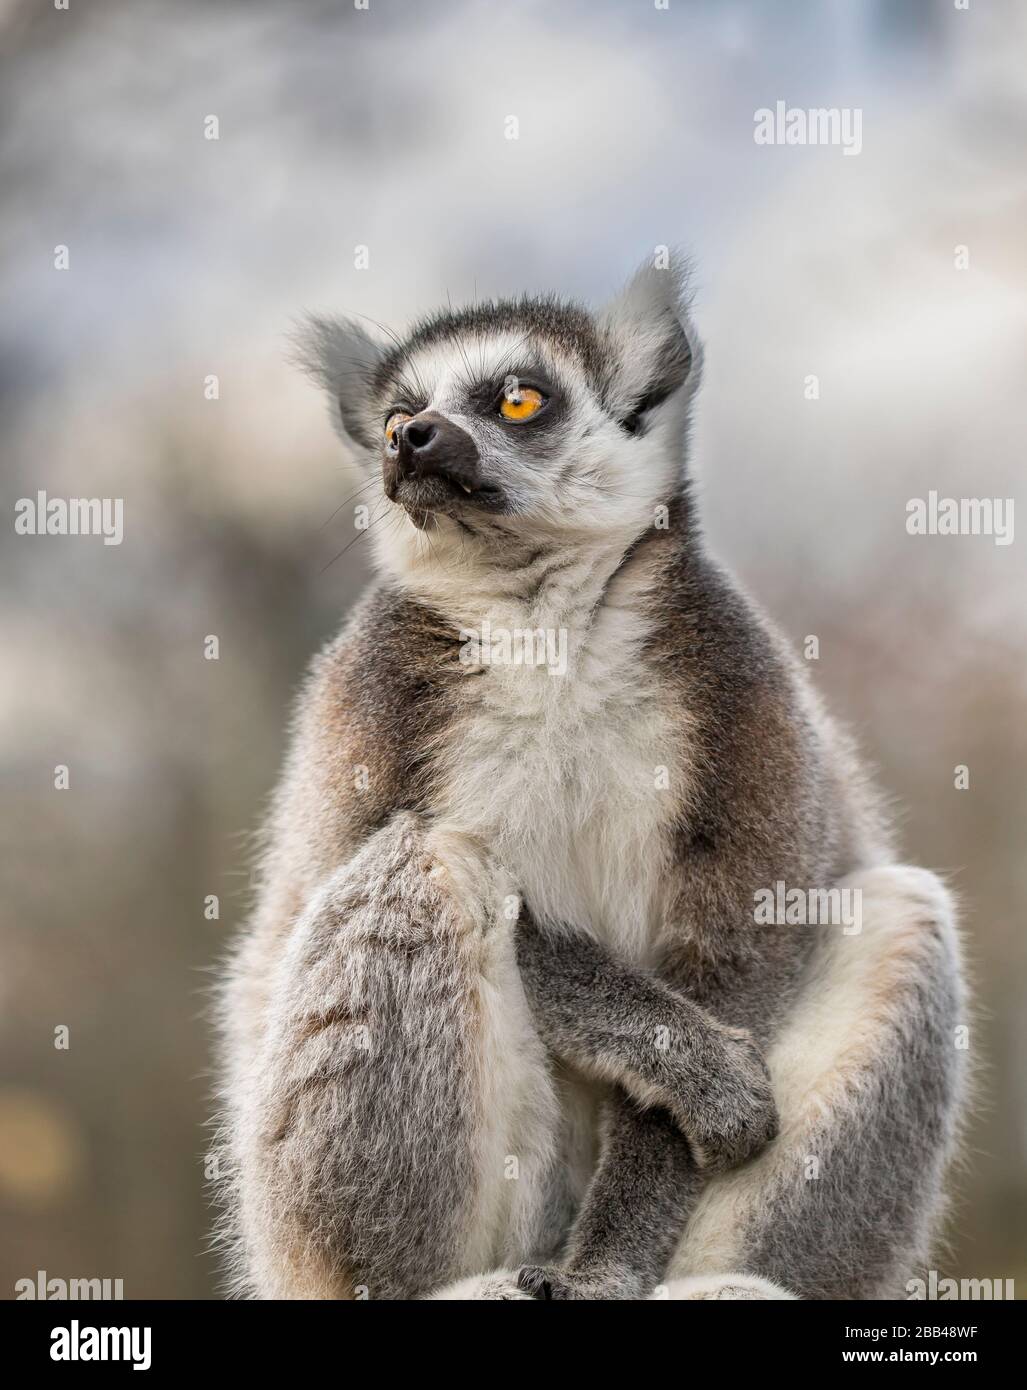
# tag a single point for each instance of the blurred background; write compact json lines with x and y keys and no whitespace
{"x":385,"y":128}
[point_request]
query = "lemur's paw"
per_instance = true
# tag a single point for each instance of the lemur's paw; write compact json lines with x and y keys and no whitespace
{"x":737,"y":1116}
{"x":547,"y":1283}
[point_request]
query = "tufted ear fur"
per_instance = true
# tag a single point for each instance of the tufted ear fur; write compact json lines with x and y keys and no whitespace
{"x":652,"y":350}
{"x":341,"y":355}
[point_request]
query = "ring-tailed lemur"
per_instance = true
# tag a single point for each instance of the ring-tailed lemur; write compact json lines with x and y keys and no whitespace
{"x":506,"y":1023}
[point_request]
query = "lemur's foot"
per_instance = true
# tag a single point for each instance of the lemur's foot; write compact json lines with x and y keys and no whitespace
{"x":549,"y":1283}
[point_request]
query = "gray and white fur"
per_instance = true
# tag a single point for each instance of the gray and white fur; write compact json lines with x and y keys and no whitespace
{"x":503,"y":1025}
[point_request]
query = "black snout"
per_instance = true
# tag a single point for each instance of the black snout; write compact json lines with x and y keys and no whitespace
{"x":430,"y":446}
{"x":418,"y":434}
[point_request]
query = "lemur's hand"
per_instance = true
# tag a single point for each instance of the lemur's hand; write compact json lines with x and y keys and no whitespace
{"x":729,"y":1114}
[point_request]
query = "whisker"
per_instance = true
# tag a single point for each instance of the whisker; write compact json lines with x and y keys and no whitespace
{"x":338,"y":509}
{"x":373,"y":522}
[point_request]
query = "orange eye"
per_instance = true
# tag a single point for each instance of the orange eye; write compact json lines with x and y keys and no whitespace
{"x":393,"y":422}
{"x":521,"y":404}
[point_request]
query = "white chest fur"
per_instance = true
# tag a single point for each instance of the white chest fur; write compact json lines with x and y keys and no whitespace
{"x":572,"y":776}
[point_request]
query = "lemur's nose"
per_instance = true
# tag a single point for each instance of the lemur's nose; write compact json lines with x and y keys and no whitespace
{"x":430,"y":446}
{"x":419,"y":433}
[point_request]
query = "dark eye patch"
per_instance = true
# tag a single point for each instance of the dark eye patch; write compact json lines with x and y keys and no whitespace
{"x":406,"y":397}
{"x":403,"y":405}
{"x":538,"y":438}
{"x":486,"y":395}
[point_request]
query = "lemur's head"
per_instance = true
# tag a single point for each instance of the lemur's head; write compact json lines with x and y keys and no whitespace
{"x":520,"y":417}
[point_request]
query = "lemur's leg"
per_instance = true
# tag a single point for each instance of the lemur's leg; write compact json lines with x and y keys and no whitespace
{"x":633,"y":1213}
{"x":399,"y":1070}
{"x":870,"y":1078}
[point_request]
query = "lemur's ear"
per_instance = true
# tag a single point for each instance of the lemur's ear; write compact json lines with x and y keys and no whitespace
{"x":343,"y":357}
{"x":651,"y":347}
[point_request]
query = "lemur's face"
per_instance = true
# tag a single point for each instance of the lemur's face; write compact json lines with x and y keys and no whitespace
{"x":522,"y":415}
{"x":496,"y":426}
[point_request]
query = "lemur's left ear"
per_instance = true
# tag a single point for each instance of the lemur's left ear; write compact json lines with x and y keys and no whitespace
{"x":651,"y":347}
{"x":343,"y":357}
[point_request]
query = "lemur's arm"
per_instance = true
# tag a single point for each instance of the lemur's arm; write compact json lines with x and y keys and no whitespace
{"x":617,"y":1024}
{"x":649,"y":1173}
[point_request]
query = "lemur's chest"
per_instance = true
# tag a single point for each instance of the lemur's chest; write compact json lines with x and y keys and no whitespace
{"x":573,"y":772}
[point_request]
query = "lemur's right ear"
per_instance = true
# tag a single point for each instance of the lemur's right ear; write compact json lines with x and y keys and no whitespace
{"x":651,"y":348}
{"x":343,"y":357}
